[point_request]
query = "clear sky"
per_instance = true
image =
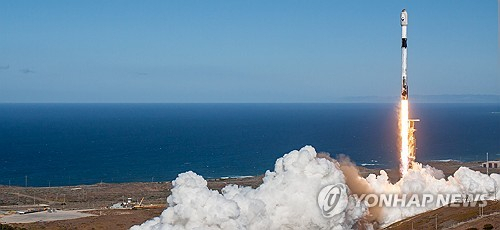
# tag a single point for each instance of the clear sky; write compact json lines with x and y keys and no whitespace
{"x":243,"y":51}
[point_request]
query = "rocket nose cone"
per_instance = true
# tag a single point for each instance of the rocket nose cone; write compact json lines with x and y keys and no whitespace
{"x":404,"y":18}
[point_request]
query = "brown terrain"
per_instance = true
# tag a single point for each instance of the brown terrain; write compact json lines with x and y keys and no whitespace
{"x":97,"y":199}
{"x":453,"y":218}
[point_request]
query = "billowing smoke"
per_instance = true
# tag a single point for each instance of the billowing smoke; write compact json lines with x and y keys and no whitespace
{"x":288,"y":196}
{"x":287,"y":199}
{"x":426,"y":180}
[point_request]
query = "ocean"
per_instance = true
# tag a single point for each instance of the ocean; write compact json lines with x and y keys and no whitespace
{"x":71,"y":144}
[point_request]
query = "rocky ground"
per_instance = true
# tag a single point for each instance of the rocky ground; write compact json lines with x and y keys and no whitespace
{"x":453,"y":218}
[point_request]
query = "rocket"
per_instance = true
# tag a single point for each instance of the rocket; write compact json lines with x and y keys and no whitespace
{"x":404,"y":57}
{"x":408,"y":138}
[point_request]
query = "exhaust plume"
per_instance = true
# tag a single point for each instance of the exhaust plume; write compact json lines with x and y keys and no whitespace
{"x":287,"y":198}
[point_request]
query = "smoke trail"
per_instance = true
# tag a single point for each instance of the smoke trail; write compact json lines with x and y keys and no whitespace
{"x":357,"y":184}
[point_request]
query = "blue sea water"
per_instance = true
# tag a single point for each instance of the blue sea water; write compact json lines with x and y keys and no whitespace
{"x":69,"y":144}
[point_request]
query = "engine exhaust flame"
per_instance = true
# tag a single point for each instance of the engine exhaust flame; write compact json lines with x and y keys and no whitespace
{"x":404,"y":135}
{"x":408,"y":140}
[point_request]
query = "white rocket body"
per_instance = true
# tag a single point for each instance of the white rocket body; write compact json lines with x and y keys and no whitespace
{"x":404,"y":54}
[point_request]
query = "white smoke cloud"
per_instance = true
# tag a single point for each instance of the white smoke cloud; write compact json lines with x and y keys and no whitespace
{"x":287,"y":198}
{"x":427,"y":180}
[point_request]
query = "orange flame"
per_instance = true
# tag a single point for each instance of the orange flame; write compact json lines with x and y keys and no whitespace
{"x":404,"y":131}
{"x":408,"y":140}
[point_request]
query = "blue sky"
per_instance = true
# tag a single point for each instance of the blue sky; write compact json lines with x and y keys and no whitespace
{"x":243,"y":51}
